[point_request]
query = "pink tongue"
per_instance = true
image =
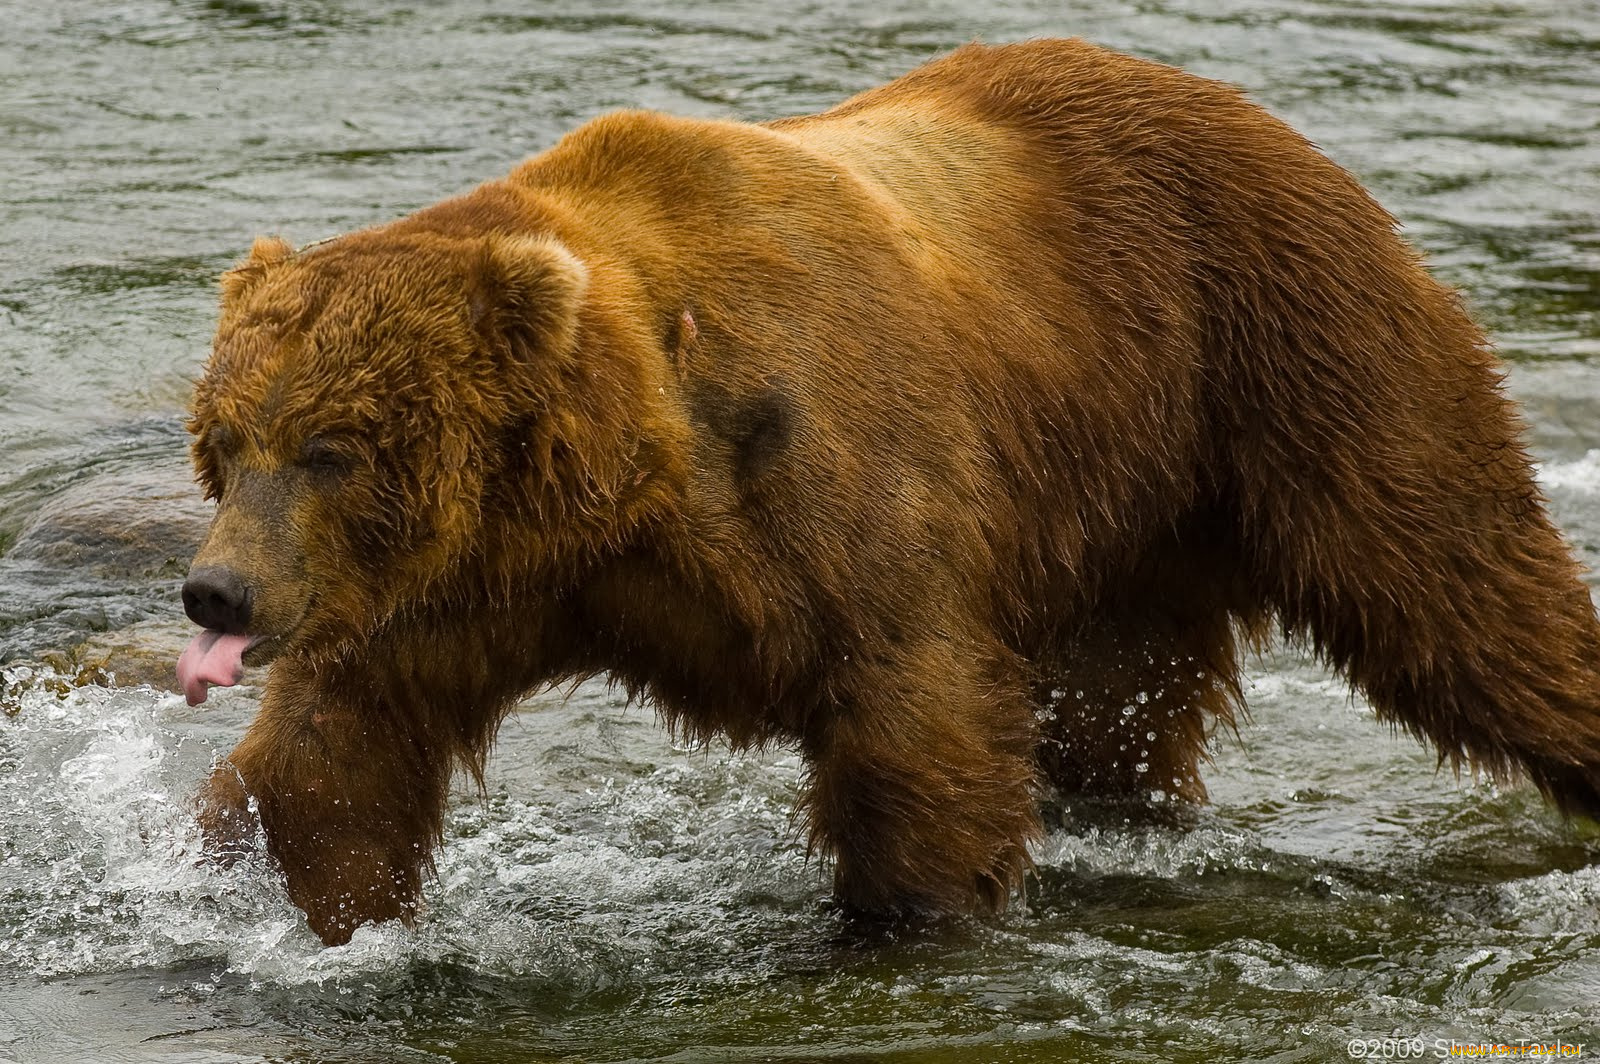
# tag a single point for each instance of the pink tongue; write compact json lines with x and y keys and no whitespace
{"x":213,"y":658}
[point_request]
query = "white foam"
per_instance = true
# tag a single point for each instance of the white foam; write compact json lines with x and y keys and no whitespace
{"x":1581,"y":475}
{"x":568,"y":886}
{"x":1158,"y":853}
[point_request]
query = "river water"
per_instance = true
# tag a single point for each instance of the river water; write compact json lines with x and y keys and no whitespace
{"x":615,"y":897}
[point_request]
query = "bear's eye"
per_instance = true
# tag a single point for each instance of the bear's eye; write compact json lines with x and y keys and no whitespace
{"x":212,"y":452}
{"x":324,"y":457}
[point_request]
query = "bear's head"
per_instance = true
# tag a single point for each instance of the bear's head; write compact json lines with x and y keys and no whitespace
{"x":360,"y":396}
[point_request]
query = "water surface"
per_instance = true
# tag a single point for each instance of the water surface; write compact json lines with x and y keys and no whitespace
{"x":614,"y":897}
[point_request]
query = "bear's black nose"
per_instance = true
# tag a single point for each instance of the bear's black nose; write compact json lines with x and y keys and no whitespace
{"x":216,"y":597}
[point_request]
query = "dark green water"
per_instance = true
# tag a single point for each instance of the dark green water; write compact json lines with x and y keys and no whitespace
{"x":614,"y":897}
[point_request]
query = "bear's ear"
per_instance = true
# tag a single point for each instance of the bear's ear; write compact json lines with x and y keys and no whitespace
{"x":266,"y":251}
{"x":526,"y":291}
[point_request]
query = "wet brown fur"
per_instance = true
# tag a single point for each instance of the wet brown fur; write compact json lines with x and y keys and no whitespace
{"x":955,"y":435}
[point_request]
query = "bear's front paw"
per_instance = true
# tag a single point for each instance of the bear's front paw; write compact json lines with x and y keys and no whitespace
{"x":229,"y":823}
{"x":342,"y":886}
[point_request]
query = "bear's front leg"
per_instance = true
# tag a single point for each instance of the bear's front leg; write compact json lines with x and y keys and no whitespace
{"x":350,"y":800}
{"x":923,"y":783}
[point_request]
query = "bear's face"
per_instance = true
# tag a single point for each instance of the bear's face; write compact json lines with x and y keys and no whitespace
{"x":358,"y":397}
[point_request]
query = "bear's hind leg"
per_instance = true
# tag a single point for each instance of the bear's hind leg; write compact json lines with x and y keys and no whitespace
{"x":922,"y":782}
{"x":1129,"y":706}
{"x":1412,"y":546}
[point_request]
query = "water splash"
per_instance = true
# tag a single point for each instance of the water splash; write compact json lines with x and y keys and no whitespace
{"x":582,"y":887}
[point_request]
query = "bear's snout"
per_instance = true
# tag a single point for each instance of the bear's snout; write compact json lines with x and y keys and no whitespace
{"x":217,"y":598}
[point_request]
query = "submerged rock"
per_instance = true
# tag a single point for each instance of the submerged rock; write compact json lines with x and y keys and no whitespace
{"x":132,"y":525}
{"x":143,"y":654}
{"x":89,"y":587}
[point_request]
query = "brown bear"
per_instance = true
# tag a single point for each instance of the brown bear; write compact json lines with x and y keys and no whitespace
{"x":956,"y":435}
